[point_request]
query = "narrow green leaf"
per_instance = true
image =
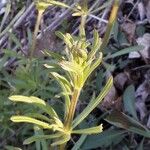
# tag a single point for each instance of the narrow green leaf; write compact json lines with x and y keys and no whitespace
{"x":58,"y":3}
{"x":12,"y":148}
{"x":37,"y":143}
{"x":15,"y":40}
{"x":62,"y":79}
{"x":53,"y":55}
{"x":41,"y":137}
{"x":124,"y":51}
{"x":93,"y":104}
{"x":103,"y":140}
{"x":60,"y":35}
{"x":93,"y":66}
{"x":96,"y":45}
{"x":129,"y":101}
{"x":31,"y":120}
{"x":111,"y":22}
{"x":36,"y":101}
{"x":92,"y":130}
{"x":79,"y":142}
{"x":26,"y":99}
{"x":66,"y":88}
{"x":121,"y":120}
{"x":39,"y":116}
{"x":71,"y":67}
{"x":141,"y":145}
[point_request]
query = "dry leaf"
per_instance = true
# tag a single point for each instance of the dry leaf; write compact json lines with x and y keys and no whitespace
{"x":120,"y":80}
{"x":48,"y":41}
{"x":2,"y":6}
{"x":144,"y":41}
{"x":145,"y":53}
{"x":147,"y":8}
{"x":141,"y":10}
{"x":142,"y":93}
{"x":148,"y":122}
{"x":112,"y":100}
{"x":129,"y":29}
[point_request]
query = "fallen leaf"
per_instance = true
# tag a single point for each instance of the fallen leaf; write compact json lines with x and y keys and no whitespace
{"x":141,"y":95}
{"x":129,"y":29}
{"x":112,"y":100}
{"x":120,"y":80}
{"x":48,"y":41}
{"x":144,"y":41}
{"x":145,"y":52}
{"x":147,"y":8}
{"x":141,"y":10}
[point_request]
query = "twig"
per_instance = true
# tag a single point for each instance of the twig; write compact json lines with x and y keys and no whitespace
{"x":133,"y":8}
{"x":97,"y":18}
{"x":17,"y":23}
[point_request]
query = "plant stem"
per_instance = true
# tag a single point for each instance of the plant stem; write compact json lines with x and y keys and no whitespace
{"x":82,"y":26}
{"x":40,"y":13}
{"x":69,"y":118}
{"x":70,"y":115}
{"x":62,"y":147}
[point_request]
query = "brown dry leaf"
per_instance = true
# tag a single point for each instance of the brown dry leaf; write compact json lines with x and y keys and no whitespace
{"x":142,"y":93}
{"x":48,"y":41}
{"x":120,"y":80}
{"x":145,"y":53}
{"x":144,"y":41}
{"x":129,"y":29}
{"x":112,"y":100}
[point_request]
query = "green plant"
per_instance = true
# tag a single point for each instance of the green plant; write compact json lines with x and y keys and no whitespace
{"x":71,"y":71}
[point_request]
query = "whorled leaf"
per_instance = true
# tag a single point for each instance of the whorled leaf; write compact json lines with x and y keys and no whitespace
{"x":96,"y":45}
{"x":92,"y":130}
{"x":26,"y":99}
{"x":27,"y":119}
{"x":36,"y":102}
{"x":41,"y":137}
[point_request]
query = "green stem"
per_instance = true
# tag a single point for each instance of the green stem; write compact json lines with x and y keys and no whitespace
{"x":69,"y":118}
{"x":70,"y":115}
{"x":62,"y":147}
{"x":40,"y":13}
{"x":82,"y":26}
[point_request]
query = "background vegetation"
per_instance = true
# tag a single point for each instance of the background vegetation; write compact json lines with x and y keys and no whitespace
{"x":124,"y":111}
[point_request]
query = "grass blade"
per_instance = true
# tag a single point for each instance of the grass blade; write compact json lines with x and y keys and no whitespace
{"x":124,"y":51}
{"x":31,"y":120}
{"x":41,"y":137}
{"x":110,"y":25}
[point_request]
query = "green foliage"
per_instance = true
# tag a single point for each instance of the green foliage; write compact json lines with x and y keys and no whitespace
{"x":78,"y":63}
{"x":71,"y":71}
{"x":77,"y":67}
